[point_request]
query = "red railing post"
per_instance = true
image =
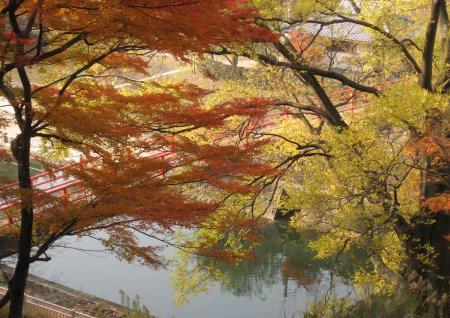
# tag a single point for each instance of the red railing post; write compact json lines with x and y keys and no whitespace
{"x":81,"y":163}
{"x":285,"y":112}
{"x":10,"y":219}
{"x":64,"y":198}
{"x":352,"y":102}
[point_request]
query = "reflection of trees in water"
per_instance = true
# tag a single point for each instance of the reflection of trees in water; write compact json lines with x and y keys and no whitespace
{"x":296,"y":274}
{"x":283,"y":256}
{"x":251,"y":278}
{"x":299,"y":265}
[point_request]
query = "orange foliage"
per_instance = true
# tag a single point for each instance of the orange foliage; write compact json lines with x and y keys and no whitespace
{"x":4,"y":155}
{"x":123,"y":178}
{"x":447,"y":237}
{"x":81,"y":44}
{"x":429,"y":145}
{"x":309,"y":47}
{"x":125,"y":61}
{"x":440,"y":203}
{"x":174,"y":27}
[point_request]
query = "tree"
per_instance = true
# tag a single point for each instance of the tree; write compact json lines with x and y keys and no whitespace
{"x":399,"y":45}
{"x":61,"y":58}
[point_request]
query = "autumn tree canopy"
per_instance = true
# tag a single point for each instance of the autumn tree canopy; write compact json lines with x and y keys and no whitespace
{"x":367,"y":166}
{"x":59,"y":63}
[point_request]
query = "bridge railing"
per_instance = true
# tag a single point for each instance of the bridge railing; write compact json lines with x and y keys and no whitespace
{"x":60,"y":184}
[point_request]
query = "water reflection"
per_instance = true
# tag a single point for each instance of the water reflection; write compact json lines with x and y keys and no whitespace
{"x":8,"y":170}
{"x":283,"y":281}
{"x":283,"y":257}
{"x":283,"y":262}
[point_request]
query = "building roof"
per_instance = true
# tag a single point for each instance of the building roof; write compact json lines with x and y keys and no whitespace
{"x":341,"y":31}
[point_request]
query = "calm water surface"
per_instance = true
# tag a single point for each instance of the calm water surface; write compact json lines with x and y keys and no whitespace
{"x":281,"y":282}
{"x":8,"y":171}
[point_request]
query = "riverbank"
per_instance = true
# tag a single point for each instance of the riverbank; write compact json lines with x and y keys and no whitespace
{"x":73,"y":299}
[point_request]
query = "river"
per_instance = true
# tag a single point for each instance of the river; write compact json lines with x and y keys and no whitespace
{"x":282,"y":281}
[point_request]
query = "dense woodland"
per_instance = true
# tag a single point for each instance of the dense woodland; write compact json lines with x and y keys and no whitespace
{"x":333,"y":112}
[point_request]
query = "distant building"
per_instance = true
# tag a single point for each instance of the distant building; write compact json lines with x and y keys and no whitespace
{"x":336,"y":43}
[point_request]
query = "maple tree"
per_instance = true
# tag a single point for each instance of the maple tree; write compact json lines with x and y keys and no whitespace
{"x":58,"y":63}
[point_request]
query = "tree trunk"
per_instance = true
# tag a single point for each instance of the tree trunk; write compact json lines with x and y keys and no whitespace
{"x":429,"y":228}
{"x":426,"y":245}
{"x":234,"y":61}
{"x":21,"y":151}
{"x":427,"y":232}
{"x":435,"y":181}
